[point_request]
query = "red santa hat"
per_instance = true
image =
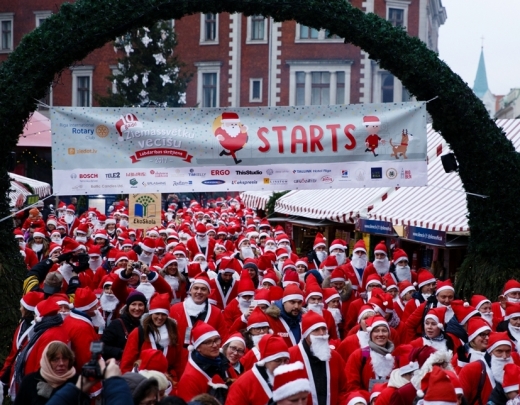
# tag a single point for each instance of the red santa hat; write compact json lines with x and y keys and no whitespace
{"x":282,"y":237}
{"x":376,"y":390}
{"x":152,"y":359}
{"x":338,"y":244}
{"x":312,"y":321}
{"x":365,"y":309}
{"x":263,"y":296}
{"x":245,"y":284}
{"x":463,"y":311}
{"x":399,"y":255}
{"x":278,"y":230}
{"x":121,"y":256}
{"x":51,"y":220}
{"x":312,"y":288}
{"x":289,"y":379}
{"x":356,"y":397}
{"x":495,"y":338}
{"x":180,"y":249}
{"x":45,"y":308}
{"x":445,"y":285}
{"x":389,"y":282}
{"x":337,"y":275}
{"x":374,"y":280}
{"x":272,"y":347}
{"x":379,"y":303}
{"x":85,"y":299}
{"x":108,"y":279}
{"x":281,"y":252}
{"x":440,"y":389}
{"x":437,"y":315}
{"x":168,"y":259}
{"x":200,"y":333}
{"x":201,"y":229}
{"x":330,"y":263}
{"x":302,"y":261}
{"x":257,"y":319}
{"x":477,"y":326}
{"x":270,"y":277}
{"x":201,"y":278}
{"x":100,"y":233}
{"x":376,"y":321}
{"x":371,"y":120}
{"x":229,"y":265}
{"x":511,"y":379}
{"x":511,"y":286}
{"x":329,"y":294}
{"x":230,"y":117}
{"x":455,"y":381}
{"x":478,"y":300}
{"x":292,"y":292}
{"x":70,"y":245}
{"x":424,"y":277}
{"x":31,"y":299}
{"x":53,"y":247}
{"x":62,"y":299}
{"x":512,"y":310}
{"x":159,"y":304}
{"x":82,"y":228}
{"x":288,"y":264}
{"x":39,"y":233}
{"x":290,"y":277}
{"x":71,"y":208}
{"x":319,"y":240}
{"x":148,"y":245}
{"x":381,"y":248}
{"x":110,"y":221}
{"x":235,"y":337}
{"x":405,"y":287}
{"x":360,"y":246}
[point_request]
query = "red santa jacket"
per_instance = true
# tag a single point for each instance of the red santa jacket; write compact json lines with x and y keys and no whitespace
{"x":81,"y":334}
{"x":386,"y":395}
{"x":18,"y":343}
{"x":32,"y":363}
{"x":469,"y":378}
{"x":213,"y":318}
{"x":223,"y":300}
{"x":250,"y":389}
{"x":280,"y":327}
{"x":194,"y":248}
{"x":250,"y":358}
{"x":132,"y":352}
{"x":336,"y":383}
{"x":231,"y":313}
{"x":349,"y":345}
{"x":498,"y":314}
{"x":359,"y":370}
{"x":194,"y":381}
{"x":30,"y":258}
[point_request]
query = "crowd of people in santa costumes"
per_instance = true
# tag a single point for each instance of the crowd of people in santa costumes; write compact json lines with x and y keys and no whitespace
{"x":215,"y":305}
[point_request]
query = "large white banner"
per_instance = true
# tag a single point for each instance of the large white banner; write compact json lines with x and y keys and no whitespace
{"x":147,"y":150}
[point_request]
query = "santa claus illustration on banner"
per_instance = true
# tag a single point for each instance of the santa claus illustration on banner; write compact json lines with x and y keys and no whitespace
{"x":372,"y":125}
{"x":231,"y":134}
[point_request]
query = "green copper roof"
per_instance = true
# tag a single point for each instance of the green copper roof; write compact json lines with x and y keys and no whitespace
{"x":480,"y":87}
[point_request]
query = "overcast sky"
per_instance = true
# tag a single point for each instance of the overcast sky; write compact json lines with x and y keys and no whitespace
{"x":498,"y":21}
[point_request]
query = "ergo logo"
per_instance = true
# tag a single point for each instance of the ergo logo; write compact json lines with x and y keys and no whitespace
{"x":220,"y":172}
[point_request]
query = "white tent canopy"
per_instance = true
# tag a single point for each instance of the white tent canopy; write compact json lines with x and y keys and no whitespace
{"x":19,"y":190}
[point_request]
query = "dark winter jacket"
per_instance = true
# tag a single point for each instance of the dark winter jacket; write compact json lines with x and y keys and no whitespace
{"x":28,"y":394}
{"x":114,"y":336}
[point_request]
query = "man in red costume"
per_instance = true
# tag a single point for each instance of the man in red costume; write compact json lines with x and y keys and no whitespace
{"x":372,"y":125}
{"x":232,"y":135}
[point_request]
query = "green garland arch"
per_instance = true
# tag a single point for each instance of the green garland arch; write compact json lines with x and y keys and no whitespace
{"x":488,"y":161}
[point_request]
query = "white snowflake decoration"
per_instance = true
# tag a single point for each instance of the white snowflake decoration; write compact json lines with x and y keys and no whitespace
{"x":115,"y":49}
{"x":146,"y":40}
{"x":146,"y":29}
{"x":165,"y":79}
{"x":136,"y":78}
{"x":145,"y":78}
{"x":143,"y":94}
{"x":159,"y":58}
{"x":182,"y":98}
{"x":126,"y":81}
{"x":128,"y":49}
{"x":163,"y":35}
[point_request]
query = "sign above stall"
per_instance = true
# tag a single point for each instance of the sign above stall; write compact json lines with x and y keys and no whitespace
{"x":425,"y":235}
{"x":375,"y":227}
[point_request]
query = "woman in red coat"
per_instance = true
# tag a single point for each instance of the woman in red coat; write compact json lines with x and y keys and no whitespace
{"x":170,"y":272}
{"x":157,"y":332}
{"x":373,"y":364}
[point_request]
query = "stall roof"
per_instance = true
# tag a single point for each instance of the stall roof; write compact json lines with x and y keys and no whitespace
{"x":256,"y":199}
{"x":41,"y":188}
{"x":37,"y":132}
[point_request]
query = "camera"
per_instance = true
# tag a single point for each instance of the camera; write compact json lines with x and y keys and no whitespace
{"x":92,"y":369}
{"x":136,"y":265}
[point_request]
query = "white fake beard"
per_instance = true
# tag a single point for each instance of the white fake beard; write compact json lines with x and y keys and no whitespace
{"x":403,"y":273}
{"x":182,"y":263}
{"x":256,"y":338}
{"x":381,"y":265}
{"x":381,"y":365}
{"x":497,"y":367}
{"x":321,"y":255}
{"x":203,"y":242}
{"x":247,"y":252}
{"x":270,"y":248}
{"x":270,"y":377}
{"x":94,"y":264}
{"x":511,"y":299}
{"x":318,"y":308}
{"x":488,"y":317}
{"x":341,"y":258}
{"x":37,"y":247}
{"x":426,"y":296}
{"x":169,"y":216}
{"x":336,"y":314}
{"x":146,"y":259}
{"x":193,"y":309}
{"x":515,"y":332}
{"x":302,"y":276}
{"x":320,"y":347}
{"x":81,"y":239}
{"x":172,"y":281}
{"x":22,"y":244}
{"x":243,"y":305}
{"x":57,"y":240}
{"x":363,"y":337}
{"x":64,"y":314}
{"x":124,"y":223}
{"x":22,"y":252}
{"x":108,"y":302}
{"x":288,"y":248}
{"x":69,"y":218}
{"x":359,"y":262}
{"x":147,"y":289}
{"x":98,"y":320}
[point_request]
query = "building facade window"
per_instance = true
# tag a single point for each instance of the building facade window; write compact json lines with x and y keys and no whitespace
{"x":82,"y":86}
{"x":308,"y":34}
{"x":387,"y":87}
{"x":41,"y":16}
{"x":6,"y":27}
{"x":257,"y":27}
{"x":208,"y":29}
{"x":397,"y":12}
{"x":325,"y":82}
{"x":396,"y":17}
{"x":255,"y":90}
{"x":208,"y":84}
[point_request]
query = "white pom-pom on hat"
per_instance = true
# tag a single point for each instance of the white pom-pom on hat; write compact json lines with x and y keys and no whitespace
{"x":415,"y":283}
{"x":440,"y":326}
{"x":388,"y":356}
{"x":466,"y":304}
{"x":369,"y":329}
{"x":191,"y":348}
{"x":420,"y":393}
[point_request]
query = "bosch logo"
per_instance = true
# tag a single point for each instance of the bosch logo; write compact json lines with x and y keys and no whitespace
{"x":88,"y":176}
{"x":220,"y":172}
{"x":213,"y":182}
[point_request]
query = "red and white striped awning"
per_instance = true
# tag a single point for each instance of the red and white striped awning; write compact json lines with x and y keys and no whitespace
{"x":256,"y":199}
{"x":19,"y":191}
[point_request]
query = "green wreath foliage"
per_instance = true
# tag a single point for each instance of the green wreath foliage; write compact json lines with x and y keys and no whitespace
{"x":488,"y":162}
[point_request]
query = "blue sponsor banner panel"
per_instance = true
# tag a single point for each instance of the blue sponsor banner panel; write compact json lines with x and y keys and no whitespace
{"x":425,"y":235}
{"x":151,"y":150}
{"x":375,"y":227}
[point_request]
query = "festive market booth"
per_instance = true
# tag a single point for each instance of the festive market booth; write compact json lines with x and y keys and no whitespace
{"x":256,"y":199}
{"x":24,"y":187}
